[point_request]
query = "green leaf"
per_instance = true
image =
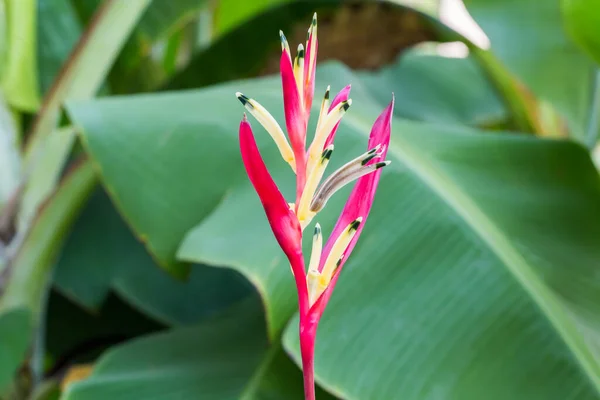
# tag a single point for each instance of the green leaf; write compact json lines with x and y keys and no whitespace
{"x":19,"y":81}
{"x":172,"y":206}
{"x":102,"y":254}
{"x":442,"y":90}
{"x":582,"y":20}
{"x":15,"y":334}
{"x":475,"y":276}
{"x":165,"y":16}
{"x":29,"y":272}
{"x":256,"y":253}
{"x":545,"y":60}
{"x":231,"y":13}
{"x":57,"y":34}
{"x":225,"y":359}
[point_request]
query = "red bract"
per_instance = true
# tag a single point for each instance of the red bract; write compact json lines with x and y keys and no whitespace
{"x":315,"y":285}
{"x":283,"y":221}
{"x":360,"y":200}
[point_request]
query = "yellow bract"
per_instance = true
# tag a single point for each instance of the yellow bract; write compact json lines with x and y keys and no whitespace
{"x":268,"y":122}
{"x":314,"y":177}
{"x":319,"y":281}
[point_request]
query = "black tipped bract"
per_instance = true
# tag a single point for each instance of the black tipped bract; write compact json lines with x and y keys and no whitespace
{"x":244,"y":100}
{"x":354,"y":225}
{"x":369,"y":158}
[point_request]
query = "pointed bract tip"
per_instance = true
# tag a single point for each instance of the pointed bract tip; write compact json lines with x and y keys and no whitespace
{"x":382,"y":164}
{"x":327,"y":92}
{"x":284,"y":42}
{"x":314,"y":20}
{"x":346,"y":104}
{"x":374,"y":149}
{"x":243,"y":98}
{"x":355,"y":224}
{"x":300,"y":52}
{"x":317,"y":229}
{"x":326,"y":155}
{"x":371,"y":154}
{"x":245,"y":118}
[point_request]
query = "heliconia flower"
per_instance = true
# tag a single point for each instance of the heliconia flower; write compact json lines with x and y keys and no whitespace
{"x":288,"y":220}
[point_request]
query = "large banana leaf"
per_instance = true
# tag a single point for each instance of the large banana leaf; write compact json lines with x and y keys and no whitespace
{"x":476,"y":273}
{"x":102,"y":254}
{"x":228,"y":358}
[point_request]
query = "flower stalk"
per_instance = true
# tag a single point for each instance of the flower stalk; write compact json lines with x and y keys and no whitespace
{"x":314,"y":284}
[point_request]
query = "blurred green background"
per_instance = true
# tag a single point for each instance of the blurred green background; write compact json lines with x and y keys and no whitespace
{"x":136,"y":261}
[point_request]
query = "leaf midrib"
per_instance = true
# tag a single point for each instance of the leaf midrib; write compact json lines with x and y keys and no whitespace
{"x":496,"y":241}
